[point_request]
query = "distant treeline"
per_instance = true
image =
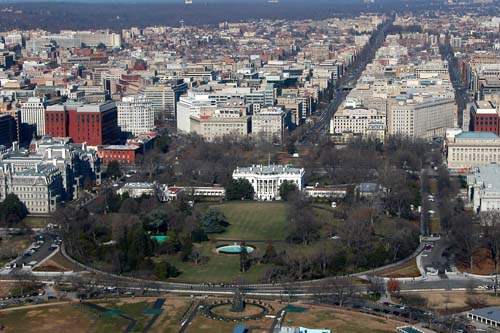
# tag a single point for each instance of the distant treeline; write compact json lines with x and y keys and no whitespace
{"x":55,"y":16}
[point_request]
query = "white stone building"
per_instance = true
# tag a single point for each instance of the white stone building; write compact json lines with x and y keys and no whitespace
{"x":213,"y":123}
{"x":39,"y":188}
{"x":483,"y":188}
{"x":33,"y":113}
{"x":356,"y":121}
{"x":269,"y":124}
{"x":266,"y":180}
{"x":137,"y":190}
{"x":469,"y":149}
{"x":421,"y":119}
{"x":190,"y":106}
{"x":135,"y":115}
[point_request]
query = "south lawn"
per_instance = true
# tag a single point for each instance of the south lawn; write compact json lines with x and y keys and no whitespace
{"x":251,"y":220}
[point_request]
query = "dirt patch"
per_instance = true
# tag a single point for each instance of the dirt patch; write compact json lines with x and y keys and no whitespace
{"x":482,"y":263}
{"x":455,"y":301}
{"x":51,"y":266}
{"x":33,"y":313}
{"x":59,"y":260}
{"x":405,"y":270}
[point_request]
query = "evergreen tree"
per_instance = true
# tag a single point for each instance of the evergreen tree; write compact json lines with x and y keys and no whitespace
{"x":239,"y":189}
{"x":214,"y":221}
{"x":286,"y":188}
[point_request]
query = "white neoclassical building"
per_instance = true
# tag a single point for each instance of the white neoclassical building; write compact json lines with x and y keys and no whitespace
{"x":266,"y":180}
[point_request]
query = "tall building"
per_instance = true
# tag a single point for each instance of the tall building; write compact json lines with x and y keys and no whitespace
{"x":266,"y":180}
{"x":33,"y":113}
{"x":94,"y":124}
{"x":484,"y":117}
{"x":135,"y":115}
{"x":216,"y":122}
{"x":425,"y":120}
{"x":6,"y":59}
{"x":190,"y":106}
{"x":8,"y":130}
{"x":269,"y":124}
{"x":94,"y":38}
{"x":164,"y":97}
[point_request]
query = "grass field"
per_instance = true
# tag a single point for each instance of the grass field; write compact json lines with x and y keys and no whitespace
{"x":11,"y":247}
{"x":248,"y":221}
{"x":435,"y":224}
{"x":254,"y":220}
{"x":339,"y":320}
{"x":77,"y":318}
{"x":36,"y":221}
{"x":219,"y":268}
{"x":407,"y":269}
{"x":454,"y":301}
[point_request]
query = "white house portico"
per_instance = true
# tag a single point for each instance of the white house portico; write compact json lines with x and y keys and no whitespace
{"x":266,"y":180}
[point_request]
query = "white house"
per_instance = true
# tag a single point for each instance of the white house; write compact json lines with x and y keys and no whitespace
{"x":266,"y":180}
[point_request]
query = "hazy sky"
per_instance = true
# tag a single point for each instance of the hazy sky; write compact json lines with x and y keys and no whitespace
{"x":174,"y":1}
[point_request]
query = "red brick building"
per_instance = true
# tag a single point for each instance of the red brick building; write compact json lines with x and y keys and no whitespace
{"x":95,"y":124}
{"x":484,"y":117}
{"x":124,"y":154}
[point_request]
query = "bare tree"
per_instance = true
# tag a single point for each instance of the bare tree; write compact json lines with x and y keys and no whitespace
{"x":464,"y":235}
{"x":342,"y":290}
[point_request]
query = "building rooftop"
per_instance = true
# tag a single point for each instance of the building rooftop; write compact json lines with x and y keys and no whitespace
{"x":369,"y":187}
{"x":270,"y":170}
{"x":119,"y":147}
{"x":492,"y":313}
{"x":41,"y":170}
{"x":477,"y":135}
{"x":487,"y":177}
{"x":139,"y":186}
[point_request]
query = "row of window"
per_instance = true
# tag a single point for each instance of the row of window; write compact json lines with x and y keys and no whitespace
{"x":29,"y":189}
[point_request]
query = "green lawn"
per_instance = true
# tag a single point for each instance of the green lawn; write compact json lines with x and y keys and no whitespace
{"x":36,"y":221}
{"x":254,"y":220}
{"x":259,"y":221}
{"x":219,"y":268}
{"x":435,"y":224}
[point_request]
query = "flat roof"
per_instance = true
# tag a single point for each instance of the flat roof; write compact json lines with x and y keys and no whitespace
{"x":119,"y":147}
{"x":477,"y":135}
{"x":144,"y":186}
{"x":487,"y":176}
{"x":491,"y":313}
{"x":270,"y":170}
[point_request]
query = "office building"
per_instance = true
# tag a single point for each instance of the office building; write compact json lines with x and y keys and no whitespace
{"x":269,"y":124}
{"x":94,"y":124}
{"x":469,"y":149}
{"x":421,"y":119}
{"x":484,"y":117}
{"x":135,"y":115}
{"x":216,"y":122}
{"x":190,"y":106}
{"x":33,"y":113}
{"x":8,"y":130}
{"x":164,"y":97}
